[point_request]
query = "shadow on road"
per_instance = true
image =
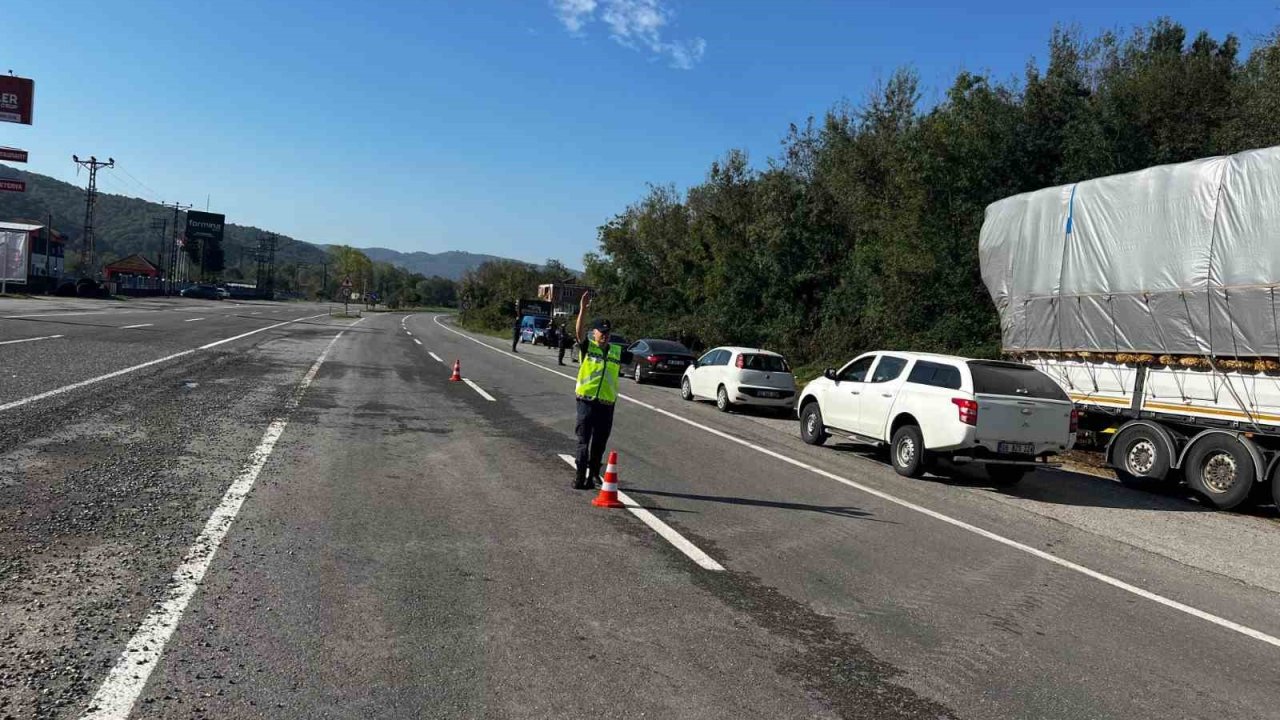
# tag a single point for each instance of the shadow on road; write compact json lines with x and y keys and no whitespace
{"x":1063,"y":487}
{"x":837,"y":510}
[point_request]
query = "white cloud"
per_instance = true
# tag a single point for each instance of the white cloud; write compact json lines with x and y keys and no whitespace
{"x":574,"y":14}
{"x":636,"y":24}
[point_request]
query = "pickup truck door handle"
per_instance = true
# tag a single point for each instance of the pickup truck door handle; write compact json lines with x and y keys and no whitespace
{"x":854,"y":392}
{"x":886,"y":394}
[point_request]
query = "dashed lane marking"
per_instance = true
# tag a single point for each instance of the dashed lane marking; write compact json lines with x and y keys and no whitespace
{"x":955,"y":522}
{"x":140,"y":366}
{"x":435,"y":357}
{"x":416,"y":340}
{"x":134,"y":327}
{"x":192,"y":319}
{"x":480,"y":390}
{"x":119,"y":691}
{"x":693,"y":552}
{"x":27,"y":340}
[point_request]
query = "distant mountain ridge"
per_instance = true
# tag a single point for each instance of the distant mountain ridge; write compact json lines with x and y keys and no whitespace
{"x":122,"y":227}
{"x":452,"y":264}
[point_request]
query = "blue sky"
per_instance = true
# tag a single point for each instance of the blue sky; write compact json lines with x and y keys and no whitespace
{"x":505,"y":127}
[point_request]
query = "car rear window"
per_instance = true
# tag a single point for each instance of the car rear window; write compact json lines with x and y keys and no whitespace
{"x":764,"y":363}
{"x":1001,"y":378}
{"x":667,"y":346}
{"x":935,"y":374}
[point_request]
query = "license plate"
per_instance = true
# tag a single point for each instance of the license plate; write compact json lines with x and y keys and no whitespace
{"x":1016,"y":448}
{"x":768,"y":394}
{"x":676,"y":363}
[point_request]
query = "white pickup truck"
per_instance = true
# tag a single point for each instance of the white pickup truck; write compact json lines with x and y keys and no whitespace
{"x":1008,"y":416}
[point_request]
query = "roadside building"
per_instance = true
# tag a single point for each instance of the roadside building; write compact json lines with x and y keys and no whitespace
{"x":563,"y":297}
{"x":133,"y":275}
{"x":45,"y":257}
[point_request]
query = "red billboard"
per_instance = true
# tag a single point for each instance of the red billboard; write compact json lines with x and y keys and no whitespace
{"x":13,"y":154}
{"x":17,"y":95}
{"x":13,"y":185}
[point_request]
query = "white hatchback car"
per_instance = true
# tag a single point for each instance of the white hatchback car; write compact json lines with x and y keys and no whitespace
{"x":740,"y":376}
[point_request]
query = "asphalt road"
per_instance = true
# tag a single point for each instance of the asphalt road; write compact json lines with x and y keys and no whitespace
{"x":355,"y":536}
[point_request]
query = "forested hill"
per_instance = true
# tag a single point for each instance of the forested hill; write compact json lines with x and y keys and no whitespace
{"x":123,"y":224}
{"x":123,"y":227}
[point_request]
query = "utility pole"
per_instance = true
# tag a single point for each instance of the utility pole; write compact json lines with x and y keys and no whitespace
{"x":171,"y":267}
{"x":266,"y":257}
{"x":91,"y":197}
{"x":160,"y":225}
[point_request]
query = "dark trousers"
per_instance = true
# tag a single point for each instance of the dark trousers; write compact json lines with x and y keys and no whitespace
{"x":515,"y":339}
{"x":595,"y":421}
{"x":560,"y":357}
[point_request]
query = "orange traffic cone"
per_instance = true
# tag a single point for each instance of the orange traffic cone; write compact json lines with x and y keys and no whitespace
{"x":608,"y":497}
{"x":457,"y":372}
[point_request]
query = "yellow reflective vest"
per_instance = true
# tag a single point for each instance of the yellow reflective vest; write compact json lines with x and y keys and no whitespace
{"x":598,"y":373}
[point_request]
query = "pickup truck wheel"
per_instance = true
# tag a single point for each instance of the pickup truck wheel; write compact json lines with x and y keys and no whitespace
{"x":1005,"y":475}
{"x":722,"y":400}
{"x":686,"y":390}
{"x":906,"y":451}
{"x":1140,"y":457}
{"x":812,"y":431}
{"x":1220,"y":471}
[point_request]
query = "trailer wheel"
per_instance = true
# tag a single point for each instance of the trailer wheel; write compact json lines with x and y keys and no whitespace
{"x":1140,"y":457}
{"x":1220,"y":471}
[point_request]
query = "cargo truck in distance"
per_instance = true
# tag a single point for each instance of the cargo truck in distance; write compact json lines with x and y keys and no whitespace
{"x":1151,"y":297}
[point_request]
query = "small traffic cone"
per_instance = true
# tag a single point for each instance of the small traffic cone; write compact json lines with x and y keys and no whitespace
{"x":457,"y":372}
{"x":608,"y":497}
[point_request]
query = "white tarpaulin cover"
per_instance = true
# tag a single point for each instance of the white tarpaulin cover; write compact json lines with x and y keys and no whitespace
{"x":1178,"y":259}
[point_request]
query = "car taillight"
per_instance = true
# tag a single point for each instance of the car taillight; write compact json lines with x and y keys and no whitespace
{"x":1075,"y":419}
{"x":740,"y":363}
{"x":652,"y":358}
{"x":968,"y":410}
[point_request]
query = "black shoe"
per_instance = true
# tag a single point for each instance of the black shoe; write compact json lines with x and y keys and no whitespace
{"x":595,"y":482}
{"x":580,"y":483}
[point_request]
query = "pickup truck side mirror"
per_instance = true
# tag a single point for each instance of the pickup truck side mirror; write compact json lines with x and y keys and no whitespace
{"x":829,"y":373}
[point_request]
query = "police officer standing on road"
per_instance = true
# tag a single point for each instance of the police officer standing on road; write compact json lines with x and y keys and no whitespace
{"x":597,"y":391}
{"x":515,"y":329}
{"x":564,"y":341}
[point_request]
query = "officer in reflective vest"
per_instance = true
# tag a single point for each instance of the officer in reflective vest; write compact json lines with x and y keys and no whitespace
{"x":597,"y":391}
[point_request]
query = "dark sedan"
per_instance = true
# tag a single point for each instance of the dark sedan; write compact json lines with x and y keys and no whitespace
{"x":653,"y":359}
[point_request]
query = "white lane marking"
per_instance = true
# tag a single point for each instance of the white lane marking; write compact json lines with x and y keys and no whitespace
{"x":480,"y":390}
{"x":1048,"y":557}
{"x":139,"y":325}
{"x":27,"y":340}
{"x":119,"y":691}
{"x":149,"y":363}
{"x":192,"y":319}
{"x":693,"y":552}
{"x":406,"y":332}
{"x":416,"y":340}
{"x":435,"y":357}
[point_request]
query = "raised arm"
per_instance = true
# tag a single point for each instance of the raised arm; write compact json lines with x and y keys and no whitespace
{"x":582,"y":310}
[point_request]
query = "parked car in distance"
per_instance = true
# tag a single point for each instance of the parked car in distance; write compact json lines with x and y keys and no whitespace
{"x":533,"y":329}
{"x":1008,"y":416}
{"x":204,"y":292}
{"x":656,"y":359}
{"x":223,"y":293}
{"x":740,"y":376}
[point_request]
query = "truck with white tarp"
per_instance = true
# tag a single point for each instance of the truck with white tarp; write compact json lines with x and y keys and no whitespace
{"x":1152,"y":298}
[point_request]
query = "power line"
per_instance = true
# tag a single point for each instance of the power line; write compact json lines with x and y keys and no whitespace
{"x":141,"y":184}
